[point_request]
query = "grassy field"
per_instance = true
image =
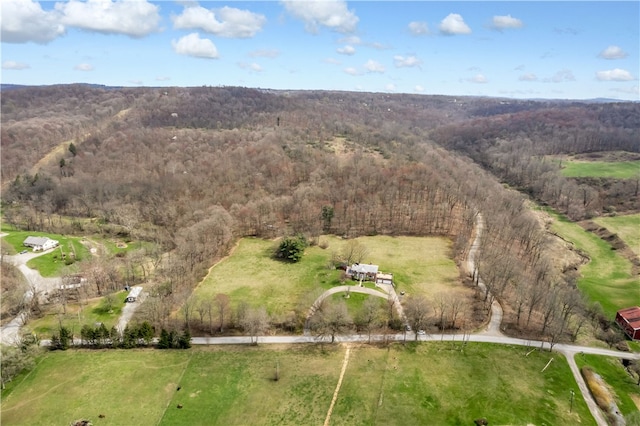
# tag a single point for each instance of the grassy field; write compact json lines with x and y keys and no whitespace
{"x":77,"y":316}
{"x":433,"y":383}
{"x":604,"y":169}
{"x":627,"y":227}
{"x":623,"y":385}
{"x":607,"y":277}
{"x":250,"y":274}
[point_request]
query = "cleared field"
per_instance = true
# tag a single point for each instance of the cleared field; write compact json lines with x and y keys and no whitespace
{"x":604,"y":169}
{"x":433,"y":383}
{"x":420,"y":265}
{"x":607,"y":277}
{"x":127,"y":387}
{"x":627,"y":227}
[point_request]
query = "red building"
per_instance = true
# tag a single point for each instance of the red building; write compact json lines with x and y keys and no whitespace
{"x":629,"y":320}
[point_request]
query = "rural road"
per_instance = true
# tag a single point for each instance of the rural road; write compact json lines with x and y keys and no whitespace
{"x":10,"y":332}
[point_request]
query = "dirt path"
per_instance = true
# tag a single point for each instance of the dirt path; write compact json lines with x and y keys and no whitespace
{"x":335,"y":393}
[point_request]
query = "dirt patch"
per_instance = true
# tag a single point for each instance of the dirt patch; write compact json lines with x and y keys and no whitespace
{"x":616,"y":243}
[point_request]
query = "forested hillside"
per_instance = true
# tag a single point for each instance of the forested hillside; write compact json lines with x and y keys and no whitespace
{"x":193,"y":169}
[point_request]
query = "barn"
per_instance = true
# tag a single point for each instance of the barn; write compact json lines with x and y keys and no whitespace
{"x":629,"y":320}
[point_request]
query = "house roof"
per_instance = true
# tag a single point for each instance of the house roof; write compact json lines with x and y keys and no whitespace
{"x":35,"y":241}
{"x":631,"y":316}
{"x":135,"y":291}
{"x":364,"y":268}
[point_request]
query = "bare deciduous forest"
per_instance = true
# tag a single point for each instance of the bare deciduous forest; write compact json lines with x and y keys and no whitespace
{"x":194,"y":169}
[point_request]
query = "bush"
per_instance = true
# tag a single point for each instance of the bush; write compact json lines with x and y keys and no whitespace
{"x":597,"y":388}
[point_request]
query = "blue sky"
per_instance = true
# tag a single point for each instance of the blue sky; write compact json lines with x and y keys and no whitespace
{"x":544,"y":49}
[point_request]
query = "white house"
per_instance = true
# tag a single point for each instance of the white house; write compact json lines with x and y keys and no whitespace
{"x":40,"y":243}
{"x":134,"y":294}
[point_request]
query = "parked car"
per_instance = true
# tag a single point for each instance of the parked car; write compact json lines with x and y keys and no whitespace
{"x":24,"y":251}
{"x":422,"y":332}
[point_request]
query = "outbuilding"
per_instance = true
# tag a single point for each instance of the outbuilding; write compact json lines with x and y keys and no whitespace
{"x":629,"y":320}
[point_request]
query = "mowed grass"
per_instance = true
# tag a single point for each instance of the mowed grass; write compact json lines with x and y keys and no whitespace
{"x":128,"y":387}
{"x":429,"y":383}
{"x":603,"y":169}
{"x":627,"y":227}
{"x":438,"y":384}
{"x":607,"y":277}
{"x":249,"y":274}
{"x":612,"y":371}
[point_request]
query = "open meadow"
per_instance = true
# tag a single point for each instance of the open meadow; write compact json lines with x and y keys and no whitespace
{"x":601,"y":169}
{"x":626,"y":226}
{"x":434,"y":383}
{"x":250,"y":274}
{"x":607,"y":277}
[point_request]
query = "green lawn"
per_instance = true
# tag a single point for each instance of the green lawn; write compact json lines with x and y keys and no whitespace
{"x":607,"y":277}
{"x":420,"y":265}
{"x":77,"y":316}
{"x":434,"y":383}
{"x":614,"y":374}
{"x":604,"y":169}
{"x":127,"y":387}
{"x":50,"y":264}
{"x":627,"y":227}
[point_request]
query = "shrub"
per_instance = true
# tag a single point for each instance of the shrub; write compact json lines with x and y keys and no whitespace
{"x":597,"y":388}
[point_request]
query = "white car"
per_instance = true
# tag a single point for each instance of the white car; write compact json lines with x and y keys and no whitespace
{"x":422,"y":332}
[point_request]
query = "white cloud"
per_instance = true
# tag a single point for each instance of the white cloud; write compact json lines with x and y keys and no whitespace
{"x":83,"y":67}
{"x":418,"y":28}
{"x":528,"y":77}
{"x":225,"y":22}
{"x":253,"y":66}
{"x":265,"y":53}
{"x":419,"y":88}
{"x":193,"y":45}
{"x":13,"y":65}
{"x":454,"y":24}
{"x":504,"y":22}
{"x":390,"y":87}
{"x":346,"y":50}
{"x":409,"y":61}
{"x":613,"y":52}
{"x":163,"y":78}
{"x":352,"y":71}
{"x":352,"y":39}
{"x":129,"y":17}
{"x":332,"y":61}
{"x":374,"y":66}
{"x":561,"y":77}
{"x":24,"y":21}
{"x":479,"y":79}
{"x":332,"y":14}
{"x":615,"y":75}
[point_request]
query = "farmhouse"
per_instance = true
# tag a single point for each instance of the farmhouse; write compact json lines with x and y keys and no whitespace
{"x":629,"y":320}
{"x":362,"y":271}
{"x":134,"y":294}
{"x":40,"y":243}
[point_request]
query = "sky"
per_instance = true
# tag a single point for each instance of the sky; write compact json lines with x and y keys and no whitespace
{"x":514,"y":49}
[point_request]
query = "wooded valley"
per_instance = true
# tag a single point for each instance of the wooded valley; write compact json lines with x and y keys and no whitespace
{"x":192,"y":170}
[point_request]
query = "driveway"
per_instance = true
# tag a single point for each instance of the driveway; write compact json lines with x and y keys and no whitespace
{"x":38,"y":286}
